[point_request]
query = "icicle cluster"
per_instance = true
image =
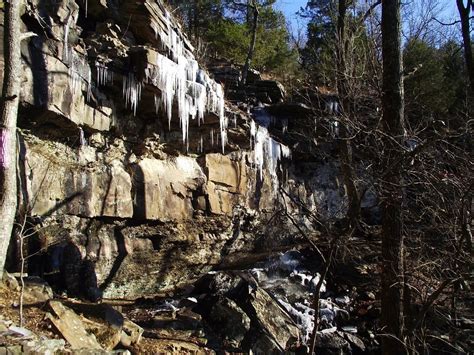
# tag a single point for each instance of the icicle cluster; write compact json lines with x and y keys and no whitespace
{"x":80,"y":76}
{"x":180,"y":79}
{"x":170,"y":39}
{"x":79,"y":71}
{"x":193,"y":90}
{"x":132,"y":91}
{"x":104,"y":76}
{"x":267,"y":152}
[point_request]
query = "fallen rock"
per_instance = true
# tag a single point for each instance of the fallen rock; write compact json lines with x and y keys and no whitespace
{"x":331,"y":343}
{"x":71,"y":327}
{"x":355,"y":342}
{"x":36,"y":291}
{"x":271,"y":328}
{"x":10,"y":282}
{"x":131,"y":333}
{"x":230,"y":322}
{"x":272,"y":318}
{"x":44,"y":346}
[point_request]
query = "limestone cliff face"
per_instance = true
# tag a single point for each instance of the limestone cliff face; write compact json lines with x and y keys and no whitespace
{"x":139,"y":178}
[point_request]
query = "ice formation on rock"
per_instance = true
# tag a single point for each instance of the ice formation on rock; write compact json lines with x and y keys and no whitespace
{"x":104,"y":75}
{"x":267,"y":152}
{"x":80,"y":77}
{"x":170,"y":40}
{"x":82,"y":138}
{"x":66,"y":38}
{"x":194,"y":92}
{"x":177,"y":75}
{"x":132,"y":90}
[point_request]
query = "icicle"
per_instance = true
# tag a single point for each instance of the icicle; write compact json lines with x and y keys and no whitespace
{"x":66,"y":39}
{"x":284,"y":125}
{"x":267,"y":152}
{"x":104,"y":76}
{"x":260,"y":138}
{"x":201,"y":145}
{"x":82,"y":138}
{"x":132,"y":90}
{"x":222,"y":117}
{"x":88,"y":79}
{"x":212,"y":137}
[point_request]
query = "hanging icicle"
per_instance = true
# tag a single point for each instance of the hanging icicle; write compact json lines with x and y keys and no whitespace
{"x":80,"y":78}
{"x":104,"y":76}
{"x":82,"y":138}
{"x":132,"y":89}
{"x":267,"y":152}
{"x":66,"y":38}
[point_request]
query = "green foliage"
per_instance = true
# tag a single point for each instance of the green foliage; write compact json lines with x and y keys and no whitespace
{"x":226,"y":30}
{"x":229,"y":39}
{"x":317,"y":56}
{"x":435,"y":88}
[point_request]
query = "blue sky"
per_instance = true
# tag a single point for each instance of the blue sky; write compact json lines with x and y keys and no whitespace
{"x":290,"y":7}
{"x":448,"y":10}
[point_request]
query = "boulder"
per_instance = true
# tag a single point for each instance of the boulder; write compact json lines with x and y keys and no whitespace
{"x":271,"y":88}
{"x":36,"y":291}
{"x":271,"y":328}
{"x":272,"y":318}
{"x":230,"y":322}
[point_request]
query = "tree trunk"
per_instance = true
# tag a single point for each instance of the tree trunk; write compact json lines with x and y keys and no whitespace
{"x":253,"y":42}
{"x":195,"y":27}
{"x":344,"y":145}
{"x":464,"y":13}
{"x":8,"y":119}
{"x":391,"y":194}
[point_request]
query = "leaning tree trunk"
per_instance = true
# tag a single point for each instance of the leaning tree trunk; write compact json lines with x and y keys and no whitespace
{"x":464,"y":13}
{"x":8,"y":118}
{"x":391,"y":193}
{"x":250,"y":54}
{"x":344,"y":144}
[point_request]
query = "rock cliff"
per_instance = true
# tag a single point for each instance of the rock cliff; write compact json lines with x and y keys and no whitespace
{"x":137,"y":174}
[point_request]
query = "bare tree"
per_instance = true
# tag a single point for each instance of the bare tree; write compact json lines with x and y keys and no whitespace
{"x":8,"y":120}
{"x":391,"y":192}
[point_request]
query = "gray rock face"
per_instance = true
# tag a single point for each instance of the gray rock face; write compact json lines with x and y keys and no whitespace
{"x":133,"y":198}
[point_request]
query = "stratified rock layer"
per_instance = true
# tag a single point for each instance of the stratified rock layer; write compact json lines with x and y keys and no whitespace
{"x":138,"y":177}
